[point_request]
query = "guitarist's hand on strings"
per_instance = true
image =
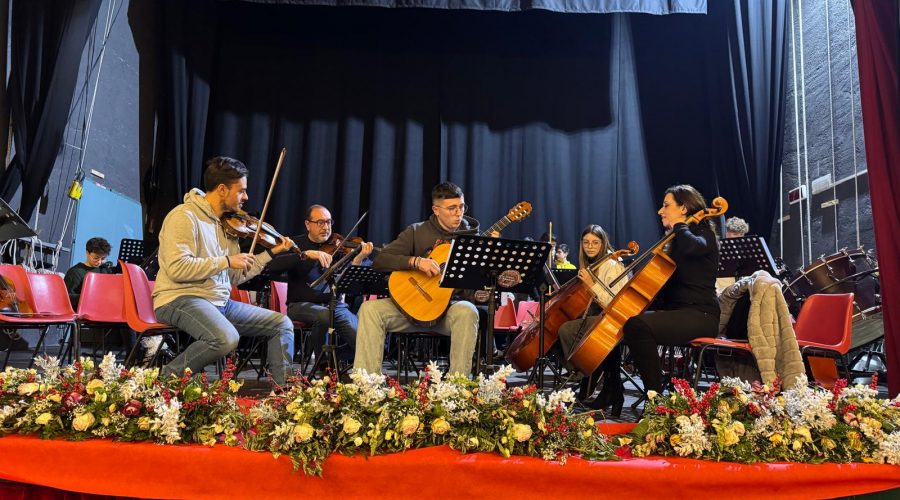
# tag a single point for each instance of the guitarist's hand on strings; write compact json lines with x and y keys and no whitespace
{"x":428,"y":266}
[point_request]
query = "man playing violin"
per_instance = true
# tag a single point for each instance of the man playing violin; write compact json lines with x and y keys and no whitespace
{"x":310,"y":305}
{"x":198,"y":264}
{"x":410,"y":251}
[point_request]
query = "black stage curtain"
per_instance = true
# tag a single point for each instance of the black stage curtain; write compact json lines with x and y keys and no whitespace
{"x":376,"y":106}
{"x":712,"y":94}
{"x":567,"y":6}
{"x":47,"y":42}
{"x":574,"y":113}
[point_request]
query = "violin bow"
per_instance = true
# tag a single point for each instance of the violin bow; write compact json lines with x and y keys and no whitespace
{"x":262,"y":216}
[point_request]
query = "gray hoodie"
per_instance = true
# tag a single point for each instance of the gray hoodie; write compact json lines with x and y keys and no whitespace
{"x":192,"y":250}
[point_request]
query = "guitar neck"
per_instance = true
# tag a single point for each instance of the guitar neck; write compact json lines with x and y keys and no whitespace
{"x":498,"y":226}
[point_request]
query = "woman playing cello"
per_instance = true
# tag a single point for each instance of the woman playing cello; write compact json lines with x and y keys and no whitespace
{"x":686,"y":307}
{"x":594,"y":247}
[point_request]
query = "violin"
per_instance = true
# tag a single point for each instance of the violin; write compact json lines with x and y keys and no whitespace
{"x":240,"y":224}
{"x":337,"y":244}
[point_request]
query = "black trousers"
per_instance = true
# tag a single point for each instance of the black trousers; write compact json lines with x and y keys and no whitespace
{"x":645,"y":332}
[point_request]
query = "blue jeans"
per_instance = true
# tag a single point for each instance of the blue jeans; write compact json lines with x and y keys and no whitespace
{"x":218,"y":329}
{"x":317,"y":317}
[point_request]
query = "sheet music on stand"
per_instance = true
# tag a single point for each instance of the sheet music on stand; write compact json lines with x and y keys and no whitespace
{"x":362,"y":280}
{"x":744,"y":256}
{"x":476,"y":263}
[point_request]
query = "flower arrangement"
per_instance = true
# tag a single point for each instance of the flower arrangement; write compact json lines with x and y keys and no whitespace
{"x":307,"y":420}
{"x":740,"y":422}
{"x":374,"y":414}
{"x":83,"y":401}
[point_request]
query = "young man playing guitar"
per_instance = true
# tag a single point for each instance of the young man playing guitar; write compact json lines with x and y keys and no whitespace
{"x":410,"y":251}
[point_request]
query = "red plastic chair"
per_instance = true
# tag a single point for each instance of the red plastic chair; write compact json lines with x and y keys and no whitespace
{"x":278,"y":302}
{"x":240,"y":295}
{"x":505,"y":318}
{"x":527,"y":313}
{"x":824,"y":333}
{"x":137,"y":301}
{"x":101,"y":304}
{"x":48,"y":299}
{"x":51,"y":301}
{"x":102,"y":300}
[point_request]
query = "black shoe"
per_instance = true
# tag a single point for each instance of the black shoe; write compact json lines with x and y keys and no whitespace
{"x":165,"y":355}
{"x":588,"y":385}
{"x":613,"y":397}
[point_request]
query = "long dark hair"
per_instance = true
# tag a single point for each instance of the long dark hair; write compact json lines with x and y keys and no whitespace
{"x":691,"y":199}
{"x":599,"y":232}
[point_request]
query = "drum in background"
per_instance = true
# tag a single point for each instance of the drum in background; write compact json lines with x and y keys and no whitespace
{"x":847,"y":271}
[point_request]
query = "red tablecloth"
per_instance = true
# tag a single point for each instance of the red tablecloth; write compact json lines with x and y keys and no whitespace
{"x":190,"y":471}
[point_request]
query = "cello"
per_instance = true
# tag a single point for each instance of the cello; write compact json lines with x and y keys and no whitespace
{"x":568,"y":303}
{"x":606,"y":332}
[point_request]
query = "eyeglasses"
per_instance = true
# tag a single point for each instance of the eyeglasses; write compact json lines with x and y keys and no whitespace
{"x":461,"y":208}
{"x":321,"y":222}
{"x":591,"y":243}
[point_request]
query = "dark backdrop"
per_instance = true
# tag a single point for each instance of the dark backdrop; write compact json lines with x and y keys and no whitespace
{"x":589,"y":117}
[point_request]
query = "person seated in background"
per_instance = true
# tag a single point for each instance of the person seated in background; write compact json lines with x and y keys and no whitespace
{"x":96,"y":251}
{"x":561,"y":257}
{"x":735,"y":227}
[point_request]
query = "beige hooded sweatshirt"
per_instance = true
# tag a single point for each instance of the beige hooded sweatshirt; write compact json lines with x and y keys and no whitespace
{"x":192,"y":250}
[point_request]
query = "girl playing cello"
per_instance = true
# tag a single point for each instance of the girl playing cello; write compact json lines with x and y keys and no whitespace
{"x":595,"y":246}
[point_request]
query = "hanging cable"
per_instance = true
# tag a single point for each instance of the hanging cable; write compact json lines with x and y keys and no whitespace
{"x":797,"y":130}
{"x":74,"y":193}
{"x":805,"y":145}
{"x":831,"y":115}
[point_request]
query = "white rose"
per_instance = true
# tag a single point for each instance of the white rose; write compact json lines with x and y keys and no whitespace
{"x":303,"y":432}
{"x":522,"y":432}
{"x":409,"y":425}
{"x":351,"y":425}
{"x":83,"y":422}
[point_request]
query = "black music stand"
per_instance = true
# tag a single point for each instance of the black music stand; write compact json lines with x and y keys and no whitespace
{"x":476,"y":262}
{"x":362,"y":280}
{"x":744,"y":256}
{"x":12,"y":226}
{"x":328,"y":357}
{"x":131,"y":251}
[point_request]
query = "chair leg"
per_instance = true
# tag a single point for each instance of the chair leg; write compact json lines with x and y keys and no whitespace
{"x":6,"y":359}
{"x":130,"y":358}
{"x":38,"y":346}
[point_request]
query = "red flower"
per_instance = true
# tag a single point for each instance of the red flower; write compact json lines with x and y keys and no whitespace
{"x":624,"y":451}
{"x":71,"y":400}
{"x":132,"y":408}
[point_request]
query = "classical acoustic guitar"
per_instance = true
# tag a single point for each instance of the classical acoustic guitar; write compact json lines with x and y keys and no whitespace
{"x":421,"y":298}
